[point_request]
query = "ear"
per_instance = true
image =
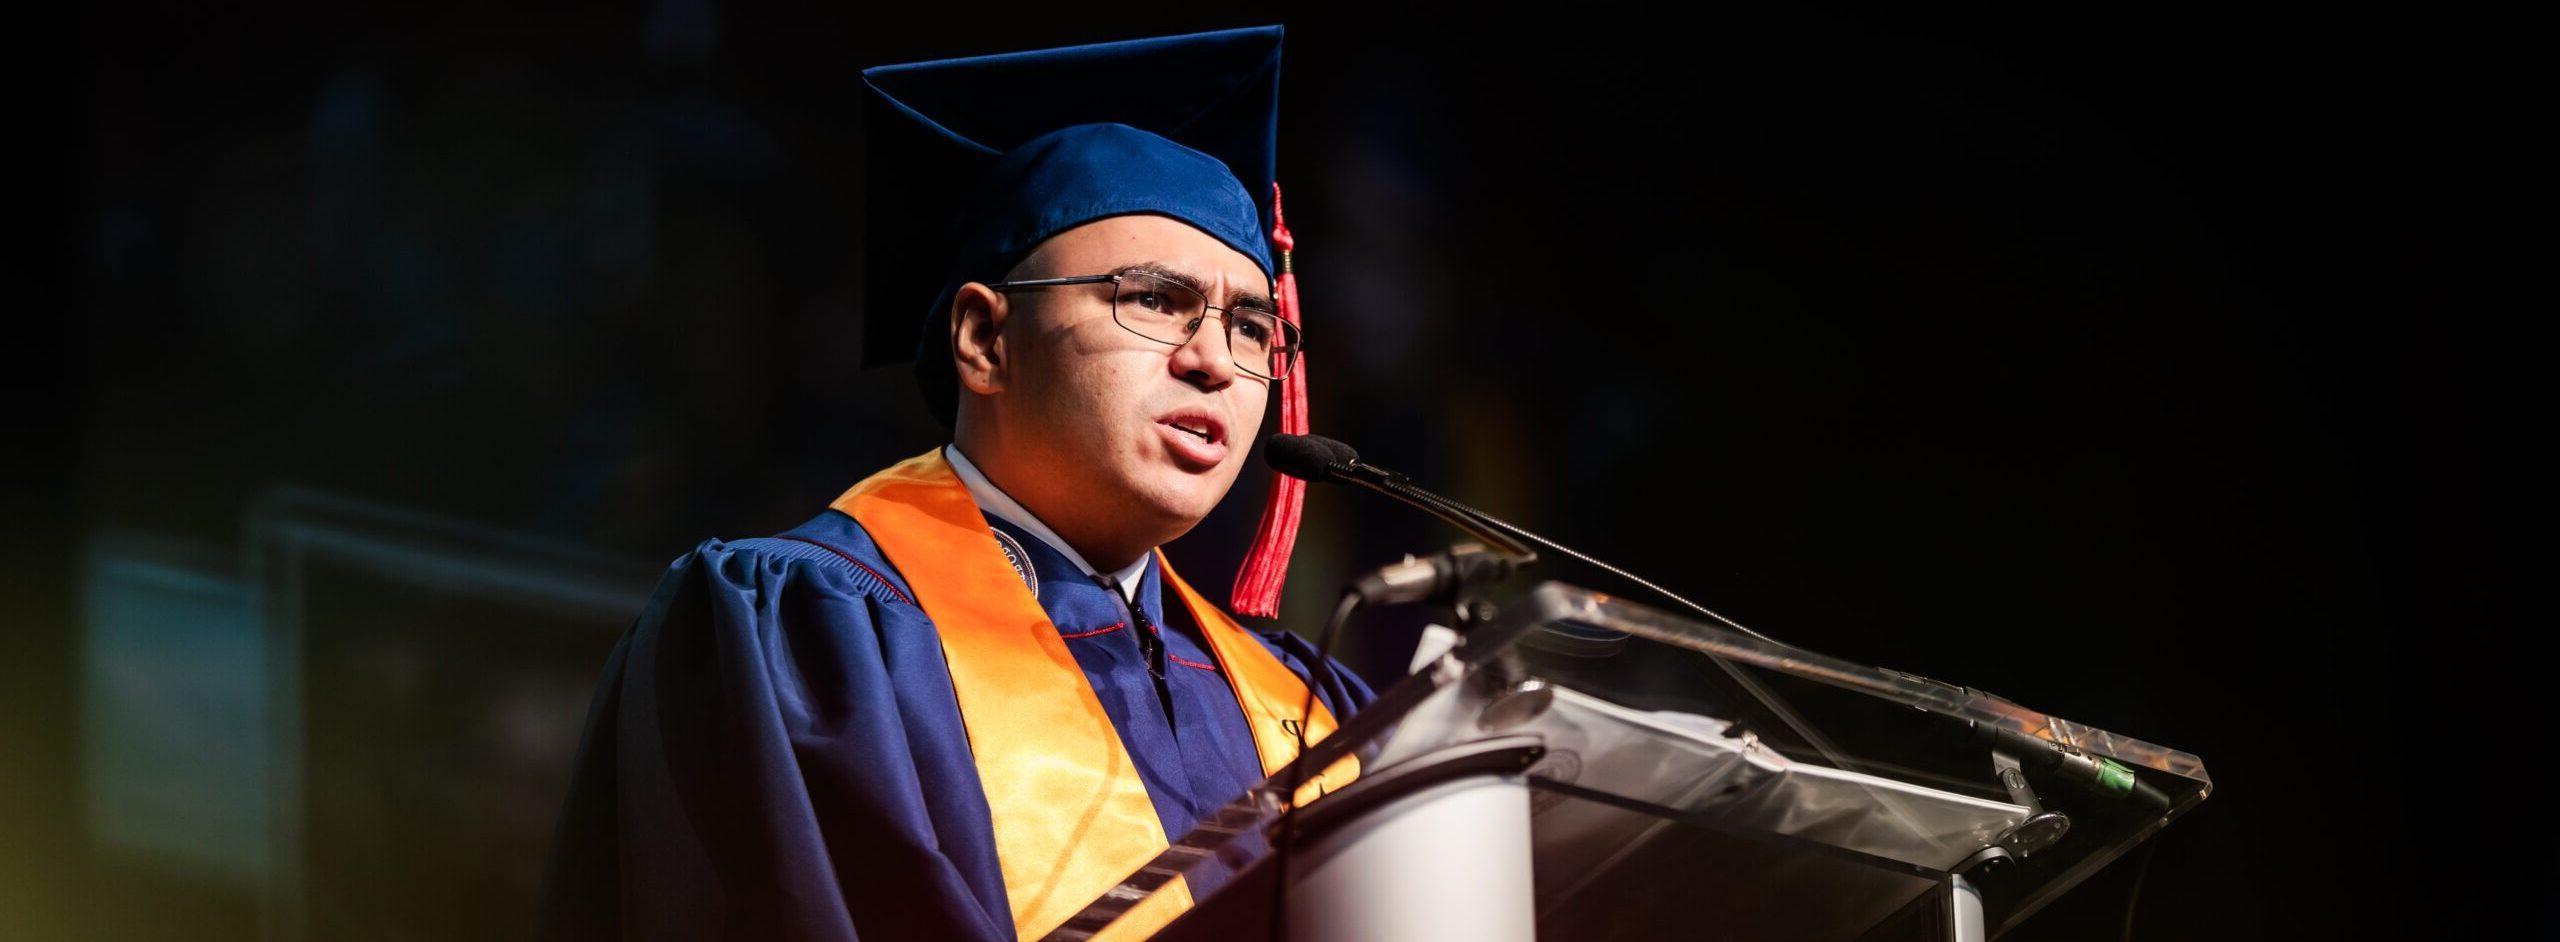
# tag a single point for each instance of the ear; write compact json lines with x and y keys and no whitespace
{"x":977,"y":338}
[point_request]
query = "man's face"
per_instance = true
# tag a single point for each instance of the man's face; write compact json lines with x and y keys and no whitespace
{"x":1104,"y":430}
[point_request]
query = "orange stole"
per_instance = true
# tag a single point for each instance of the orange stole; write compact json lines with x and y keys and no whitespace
{"x":1071,"y":817}
{"x":1271,"y":693}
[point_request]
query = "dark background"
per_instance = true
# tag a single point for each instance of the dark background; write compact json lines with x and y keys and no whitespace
{"x":2159,"y":368}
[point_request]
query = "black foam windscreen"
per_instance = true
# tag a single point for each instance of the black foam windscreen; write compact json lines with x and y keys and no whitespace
{"x":1308,"y":457}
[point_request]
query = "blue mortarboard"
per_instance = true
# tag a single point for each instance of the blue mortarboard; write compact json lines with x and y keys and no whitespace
{"x":970,"y":163}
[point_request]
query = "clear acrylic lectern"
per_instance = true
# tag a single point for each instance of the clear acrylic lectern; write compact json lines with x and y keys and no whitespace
{"x":1583,"y":767}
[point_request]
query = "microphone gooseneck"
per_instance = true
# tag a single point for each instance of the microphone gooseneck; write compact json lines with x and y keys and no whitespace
{"x":1317,"y":458}
{"x":1321,"y":459}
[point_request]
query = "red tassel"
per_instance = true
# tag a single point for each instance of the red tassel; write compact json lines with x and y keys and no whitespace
{"x":1266,"y":567}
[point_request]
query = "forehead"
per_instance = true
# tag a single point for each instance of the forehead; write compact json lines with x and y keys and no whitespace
{"x":1106,"y":244}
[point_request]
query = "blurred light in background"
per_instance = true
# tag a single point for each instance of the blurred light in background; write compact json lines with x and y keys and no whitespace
{"x":369,"y":726}
{"x":173,"y":688}
{"x":430,"y":684}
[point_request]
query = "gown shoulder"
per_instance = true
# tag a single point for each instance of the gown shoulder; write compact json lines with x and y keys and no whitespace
{"x":773,"y":751}
{"x":829,"y":553}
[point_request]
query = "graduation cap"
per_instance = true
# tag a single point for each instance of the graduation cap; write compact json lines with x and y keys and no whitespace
{"x":972,"y":162}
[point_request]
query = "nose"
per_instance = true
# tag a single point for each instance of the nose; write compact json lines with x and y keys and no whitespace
{"x":1205,"y":360}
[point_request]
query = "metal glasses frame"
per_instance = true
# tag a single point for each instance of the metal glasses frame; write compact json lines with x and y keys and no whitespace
{"x":1292,"y":340}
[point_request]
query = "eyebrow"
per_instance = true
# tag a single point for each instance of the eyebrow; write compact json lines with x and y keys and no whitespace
{"x":1248,"y":301}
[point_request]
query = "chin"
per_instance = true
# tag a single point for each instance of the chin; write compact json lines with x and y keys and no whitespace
{"x":1184,"y":499}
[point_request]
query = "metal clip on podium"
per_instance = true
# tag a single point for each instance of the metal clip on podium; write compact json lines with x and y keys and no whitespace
{"x":1583,"y":767}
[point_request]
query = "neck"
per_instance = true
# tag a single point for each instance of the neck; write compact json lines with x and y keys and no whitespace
{"x":1071,"y":516}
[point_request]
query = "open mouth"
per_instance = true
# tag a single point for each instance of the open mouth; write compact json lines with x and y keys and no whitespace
{"x":1198,"y":424}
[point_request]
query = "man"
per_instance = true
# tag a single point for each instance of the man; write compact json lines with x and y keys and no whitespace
{"x":956,"y":704}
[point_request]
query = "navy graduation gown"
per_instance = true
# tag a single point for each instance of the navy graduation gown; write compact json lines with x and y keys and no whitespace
{"x":774,"y":749}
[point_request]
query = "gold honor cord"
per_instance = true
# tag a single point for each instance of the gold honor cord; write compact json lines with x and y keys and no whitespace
{"x":1071,"y":817}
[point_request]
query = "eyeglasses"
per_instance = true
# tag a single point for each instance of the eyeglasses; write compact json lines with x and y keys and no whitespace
{"x":1158,"y":307}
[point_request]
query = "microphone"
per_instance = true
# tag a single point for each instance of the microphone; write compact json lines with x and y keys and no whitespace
{"x":1443,"y":575}
{"x":1309,"y":457}
{"x":1440,"y":575}
{"x":1317,"y":458}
